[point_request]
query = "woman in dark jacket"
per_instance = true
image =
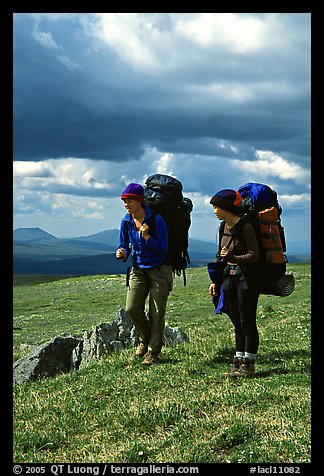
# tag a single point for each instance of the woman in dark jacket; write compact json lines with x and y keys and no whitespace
{"x":149,"y":275}
{"x":239,"y":248}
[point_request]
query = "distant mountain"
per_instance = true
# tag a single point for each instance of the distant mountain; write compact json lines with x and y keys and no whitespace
{"x":37,"y":245}
{"x":202,"y":247}
{"x":87,"y":265}
{"x":107,"y":236}
{"x":38,"y":252}
{"x":61,"y":249}
{"x":32,"y":234}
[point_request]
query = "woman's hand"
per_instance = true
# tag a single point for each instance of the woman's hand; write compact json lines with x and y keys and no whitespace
{"x":121,"y":253}
{"x":213,"y":291}
{"x":224,"y":252}
{"x":144,"y":230}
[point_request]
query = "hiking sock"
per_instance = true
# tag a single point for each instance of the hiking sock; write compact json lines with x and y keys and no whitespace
{"x":248,"y":355}
{"x":239,"y":355}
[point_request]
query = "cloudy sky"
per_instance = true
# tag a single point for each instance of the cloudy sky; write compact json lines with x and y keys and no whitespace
{"x":104,"y":99}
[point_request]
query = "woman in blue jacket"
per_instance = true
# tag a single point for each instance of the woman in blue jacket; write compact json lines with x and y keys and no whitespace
{"x":147,"y":243}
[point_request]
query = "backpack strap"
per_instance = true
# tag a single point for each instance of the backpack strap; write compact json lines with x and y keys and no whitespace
{"x":220,"y":236}
{"x":237,"y":232}
{"x":150,"y":221}
{"x":184,"y":277}
{"x":221,"y":233}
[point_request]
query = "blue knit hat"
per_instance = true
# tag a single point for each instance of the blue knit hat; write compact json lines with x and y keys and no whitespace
{"x":135,"y":191}
{"x":229,"y":200}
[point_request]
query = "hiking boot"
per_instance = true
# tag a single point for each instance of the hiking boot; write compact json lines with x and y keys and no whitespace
{"x":237,"y":362}
{"x":150,"y":357}
{"x":141,"y":350}
{"x":246,"y":369}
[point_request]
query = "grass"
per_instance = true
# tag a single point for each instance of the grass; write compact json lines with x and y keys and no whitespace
{"x":178,"y":410}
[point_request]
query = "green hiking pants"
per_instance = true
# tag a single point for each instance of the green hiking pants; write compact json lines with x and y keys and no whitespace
{"x":157,"y":283}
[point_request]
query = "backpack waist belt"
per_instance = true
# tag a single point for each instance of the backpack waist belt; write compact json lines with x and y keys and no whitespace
{"x":233,"y":270}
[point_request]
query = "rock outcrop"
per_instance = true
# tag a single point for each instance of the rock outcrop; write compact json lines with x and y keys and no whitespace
{"x":46,"y":360}
{"x":66,"y":352}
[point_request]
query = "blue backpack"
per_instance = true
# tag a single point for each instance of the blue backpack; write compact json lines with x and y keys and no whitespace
{"x":257,"y":197}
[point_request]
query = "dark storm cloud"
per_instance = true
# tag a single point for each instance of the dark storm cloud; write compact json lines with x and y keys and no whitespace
{"x":73,"y":98}
{"x":53,"y":116}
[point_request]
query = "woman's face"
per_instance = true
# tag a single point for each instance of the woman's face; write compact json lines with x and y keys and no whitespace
{"x":131,"y":205}
{"x":219,"y":212}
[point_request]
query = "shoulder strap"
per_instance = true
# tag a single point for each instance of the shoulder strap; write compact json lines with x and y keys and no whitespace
{"x":221,"y":234}
{"x":239,"y":228}
{"x":150,"y":221}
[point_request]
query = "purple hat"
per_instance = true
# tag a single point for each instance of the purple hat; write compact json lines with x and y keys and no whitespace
{"x":229,"y":200}
{"x":135,"y":191}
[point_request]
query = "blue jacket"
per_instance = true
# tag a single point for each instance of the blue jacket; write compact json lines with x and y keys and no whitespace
{"x":145,"y":253}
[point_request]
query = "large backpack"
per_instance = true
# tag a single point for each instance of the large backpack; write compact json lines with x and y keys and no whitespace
{"x":262,"y":210}
{"x":261,"y":207}
{"x":163,"y":195}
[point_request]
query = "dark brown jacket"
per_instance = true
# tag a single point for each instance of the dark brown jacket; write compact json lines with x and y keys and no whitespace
{"x":244,"y":248}
{"x":244,"y":251}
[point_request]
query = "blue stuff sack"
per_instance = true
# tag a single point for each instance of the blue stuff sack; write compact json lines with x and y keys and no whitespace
{"x":215,"y":270}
